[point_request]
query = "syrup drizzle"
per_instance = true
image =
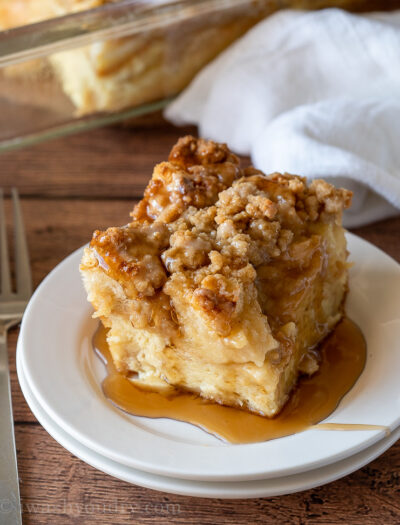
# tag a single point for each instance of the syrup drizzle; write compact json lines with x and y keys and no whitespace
{"x":343,"y":356}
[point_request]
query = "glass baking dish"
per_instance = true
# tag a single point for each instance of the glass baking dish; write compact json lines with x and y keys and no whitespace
{"x":77,"y":70}
{"x":114,"y":62}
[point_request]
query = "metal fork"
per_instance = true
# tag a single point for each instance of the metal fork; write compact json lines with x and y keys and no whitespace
{"x":12,"y":306}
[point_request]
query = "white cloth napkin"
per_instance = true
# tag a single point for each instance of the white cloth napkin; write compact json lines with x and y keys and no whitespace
{"x":311,"y":93}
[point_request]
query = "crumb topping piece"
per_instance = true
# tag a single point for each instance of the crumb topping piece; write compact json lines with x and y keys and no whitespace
{"x":196,"y":172}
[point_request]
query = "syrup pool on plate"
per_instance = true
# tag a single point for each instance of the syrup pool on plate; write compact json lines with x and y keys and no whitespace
{"x":342,"y":359}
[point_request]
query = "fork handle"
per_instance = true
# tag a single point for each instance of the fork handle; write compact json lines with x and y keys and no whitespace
{"x":10,"y":505}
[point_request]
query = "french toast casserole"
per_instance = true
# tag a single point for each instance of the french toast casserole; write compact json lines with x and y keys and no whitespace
{"x":225,"y":280}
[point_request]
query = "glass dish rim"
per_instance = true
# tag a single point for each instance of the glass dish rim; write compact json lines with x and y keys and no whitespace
{"x":115,"y":20}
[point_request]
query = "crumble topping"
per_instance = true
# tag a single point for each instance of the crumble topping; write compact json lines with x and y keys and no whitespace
{"x":209,"y":230}
{"x":196,"y":172}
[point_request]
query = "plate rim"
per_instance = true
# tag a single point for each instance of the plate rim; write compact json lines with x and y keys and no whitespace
{"x":201,"y":489}
{"x":373,"y":436}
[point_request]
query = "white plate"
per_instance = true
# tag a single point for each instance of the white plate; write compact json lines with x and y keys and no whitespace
{"x":64,"y":376}
{"x":240,"y":489}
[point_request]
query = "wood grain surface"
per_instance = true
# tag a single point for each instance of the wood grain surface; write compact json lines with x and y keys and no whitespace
{"x":70,"y":187}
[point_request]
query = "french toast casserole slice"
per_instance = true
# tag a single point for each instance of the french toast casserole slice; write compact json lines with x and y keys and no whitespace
{"x":225,"y":280}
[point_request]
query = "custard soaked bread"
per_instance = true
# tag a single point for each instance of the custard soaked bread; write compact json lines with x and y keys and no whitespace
{"x":226,"y":279}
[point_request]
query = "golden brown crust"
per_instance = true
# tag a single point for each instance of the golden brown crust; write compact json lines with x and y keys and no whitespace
{"x":131,"y":255}
{"x":190,"y":151}
{"x":196,"y":172}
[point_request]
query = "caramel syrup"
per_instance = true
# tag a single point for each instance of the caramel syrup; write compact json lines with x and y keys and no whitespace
{"x":343,"y":356}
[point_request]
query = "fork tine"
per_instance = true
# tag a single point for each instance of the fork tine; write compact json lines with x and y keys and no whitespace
{"x":23,"y":269}
{"x":5,"y":278}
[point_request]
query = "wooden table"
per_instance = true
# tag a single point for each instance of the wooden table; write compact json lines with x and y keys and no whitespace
{"x":70,"y":187}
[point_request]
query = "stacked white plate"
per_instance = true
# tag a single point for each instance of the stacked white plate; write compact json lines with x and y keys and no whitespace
{"x":60,"y":377}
